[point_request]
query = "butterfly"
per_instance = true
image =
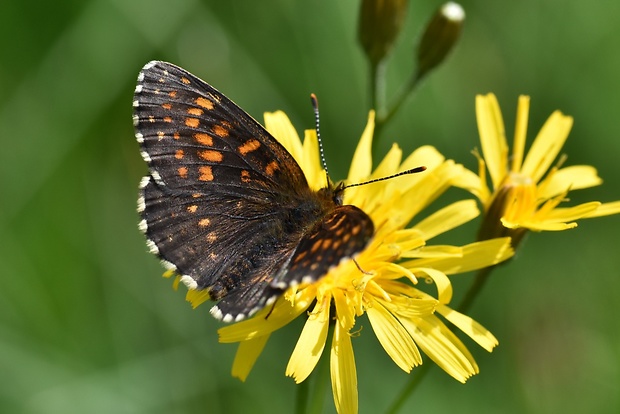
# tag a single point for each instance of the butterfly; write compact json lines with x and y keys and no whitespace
{"x":225,"y":205}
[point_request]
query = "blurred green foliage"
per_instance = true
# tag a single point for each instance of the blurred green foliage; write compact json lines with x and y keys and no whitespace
{"x":87,"y":325}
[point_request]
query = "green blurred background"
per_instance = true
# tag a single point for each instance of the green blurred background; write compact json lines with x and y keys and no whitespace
{"x":87,"y":324}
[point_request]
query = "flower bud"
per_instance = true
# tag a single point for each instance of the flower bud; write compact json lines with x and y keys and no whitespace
{"x":439,"y":37}
{"x":380,"y":22}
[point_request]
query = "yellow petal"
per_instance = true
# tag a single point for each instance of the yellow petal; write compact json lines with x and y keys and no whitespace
{"x":492,"y":137}
{"x":444,"y":286}
{"x":473,"y":329}
{"x":343,"y":372}
{"x":310,"y":345}
{"x":563,"y":215}
{"x":435,"y":251}
{"x":247,"y":354}
{"x":605,"y":210}
{"x":280,"y":126}
{"x":475,"y":256}
{"x":570,"y":178}
{"x":310,"y":162}
{"x":518,"y":146}
{"x":442,"y":346}
{"x":471,"y":182}
{"x":361,"y":164}
{"x":547,"y":145}
{"x":538,"y":225}
{"x":447,"y":218}
{"x":395,"y":340}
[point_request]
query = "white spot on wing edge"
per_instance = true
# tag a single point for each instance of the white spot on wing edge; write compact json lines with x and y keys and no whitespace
{"x":139,"y":138}
{"x":157,"y":178}
{"x":138,"y":88}
{"x":144,"y":181}
{"x":189,"y":282}
{"x":143,"y":226}
{"x":146,"y":157}
{"x":216,"y":313}
{"x":152,"y":246}
{"x":168,"y":265}
{"x":141,"y":204}
{"x":136,"y":120}
{"x":136,"y":103}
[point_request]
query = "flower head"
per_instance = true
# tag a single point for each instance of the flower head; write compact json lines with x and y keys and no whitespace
{"x":379,"y":283}
{"x":527,"y":189}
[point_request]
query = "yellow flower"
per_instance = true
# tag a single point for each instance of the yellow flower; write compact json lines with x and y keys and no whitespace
{"x":527,"y":189}
{"x":379,"y":282}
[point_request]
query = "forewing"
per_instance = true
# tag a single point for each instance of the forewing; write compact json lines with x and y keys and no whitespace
{"x":195,"y":139}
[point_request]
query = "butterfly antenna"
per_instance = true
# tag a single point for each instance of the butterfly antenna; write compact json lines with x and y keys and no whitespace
{"x":389,"y":177}
{"x":315,"y":106}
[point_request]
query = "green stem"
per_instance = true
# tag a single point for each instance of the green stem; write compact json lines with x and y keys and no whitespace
{"x":321,"y":382}
{"x":418,"y":375}
{"x":476,"y":287}
{"x":301,"y":398}
{"x":384,"y":116}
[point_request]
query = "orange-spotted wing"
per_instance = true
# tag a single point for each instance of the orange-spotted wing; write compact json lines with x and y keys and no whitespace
{"x":224,"y":204}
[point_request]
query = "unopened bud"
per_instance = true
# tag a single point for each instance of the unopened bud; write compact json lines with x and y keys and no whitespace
{"x":440,"y":36}
{"x":380,"y":23}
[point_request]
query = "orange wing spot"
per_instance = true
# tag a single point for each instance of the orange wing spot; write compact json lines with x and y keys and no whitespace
{"x":172,"y":94}
{"x":206,"y":173}
{"x":213,"y":256}
{"x":167,"y":119}
{"x":327,"y":243}
{"x":192,"y":122}
{"x":300,"y":256}
{"x":315,"y":246}
{"x":271,"y":168}
{"x":210,"y":155}
{"x":245,"y":176}
{"x":203,"y":139}
{"x":179,"y":154}
{"x":176,"y":135}
{"x":185,"y":80}
{"x":336,"y":244}
{"x":204,"y":222}
{"x":204,"y":102}
{"x":196,"y":195}
{"x":220,"y":131}
{"x":151,"y":118}
{"x":166,"y":106}
{"x":182,"y":172}
{"x":211,"y":237}
{"x":355,"y":230}
{"x":249,"y":146}
{"x":195,"y":111}
{"x":192,"y":208}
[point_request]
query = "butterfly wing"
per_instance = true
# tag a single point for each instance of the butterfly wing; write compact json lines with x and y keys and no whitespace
{"x":225,"y":205}
{"x":192,"y":134}
{"x":344,"y":232}
{"x":217,"y":204}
